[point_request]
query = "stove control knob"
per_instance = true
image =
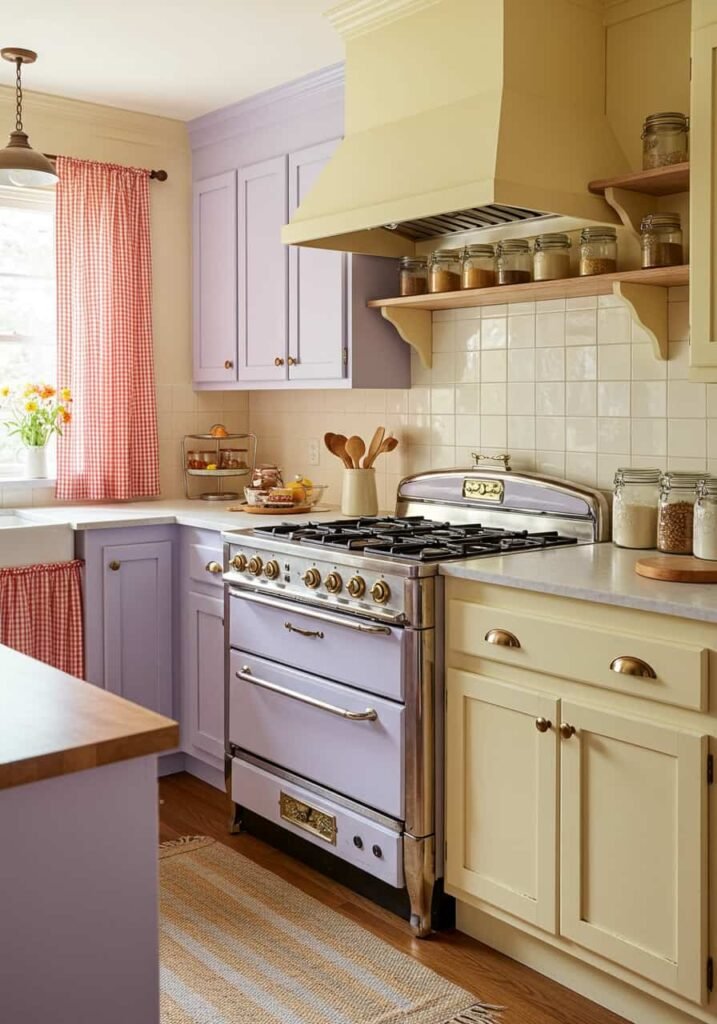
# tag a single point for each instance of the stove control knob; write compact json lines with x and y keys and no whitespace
{"x":334,"y":583}
{"x":356,"y":586}
{"x":380,"y":592}
{"x":255,"y":565}
{"x":239,"y":562}
{"x":271,"y":570}
{"x":312,"y":578}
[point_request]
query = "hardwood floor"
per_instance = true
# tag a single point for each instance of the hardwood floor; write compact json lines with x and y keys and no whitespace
{"x":190,"y":807}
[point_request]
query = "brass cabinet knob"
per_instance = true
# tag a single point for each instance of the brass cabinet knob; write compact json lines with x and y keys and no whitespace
{"x":214,"y":567}
{"x":502,"y":638}
{"x":271,"y":570}
{"x":291,"y":361}
{"x":356,"y":586}
{"x":239,"y":562}
{"x":566,"y":731}
{"x":278,"y":361}
{"x":228,"y":364}
{"x":629,"y":666}
{"x":255,"y":565}
{"x":312,"y":578}
{"x":334,"y":583}
{"x":114,"y":566}
{"x":380,"y":592}
{"x":542,"y":724}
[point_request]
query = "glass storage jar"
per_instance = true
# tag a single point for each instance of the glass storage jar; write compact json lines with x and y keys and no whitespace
{"x":478,"y":266}
{"x":665,"y":140}
{"x":551,"y":257}
{"x":513,"y":261}
{"x":598,"y":251}
{"x":675,"y":517}
{"x":413,"y":276}
{"x":444,"y":271}
{"x":634,"y":508}
{"x":661,"y":240}
{"x":705,"y":522}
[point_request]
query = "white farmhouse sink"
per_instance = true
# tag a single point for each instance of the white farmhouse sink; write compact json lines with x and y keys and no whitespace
{"x":26,"y":542}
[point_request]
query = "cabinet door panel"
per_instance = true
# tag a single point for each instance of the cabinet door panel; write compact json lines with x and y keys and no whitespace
{"x":501,"y":796}
{"x":633,"y":820}
{"x":203,"y":629}
{"x":138,"y":623}
{"x":215,"y":282}
{"x":317,"y":285}
{"x":703,"y":204}
{"x":262,"y":268}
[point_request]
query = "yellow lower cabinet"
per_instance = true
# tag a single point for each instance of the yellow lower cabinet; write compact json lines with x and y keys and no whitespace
{"x":501,"y":796}
{"x":633,"y":819}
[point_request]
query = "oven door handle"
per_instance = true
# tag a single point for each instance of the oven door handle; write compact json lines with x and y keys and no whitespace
{"x":369,"y":715}
{"x":336,"y":620}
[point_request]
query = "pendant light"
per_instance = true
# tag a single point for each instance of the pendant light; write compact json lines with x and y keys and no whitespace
{"x":19,"y":163}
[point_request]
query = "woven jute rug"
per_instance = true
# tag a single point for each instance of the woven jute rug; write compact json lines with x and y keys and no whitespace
{"x":241,"y":946}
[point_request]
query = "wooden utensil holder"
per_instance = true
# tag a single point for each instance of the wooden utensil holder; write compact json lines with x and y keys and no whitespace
{"x":358,"y":495}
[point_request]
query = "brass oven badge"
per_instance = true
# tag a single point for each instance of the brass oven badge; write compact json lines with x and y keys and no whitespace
{"x":309,"y":818}
{"x":483,"y":490}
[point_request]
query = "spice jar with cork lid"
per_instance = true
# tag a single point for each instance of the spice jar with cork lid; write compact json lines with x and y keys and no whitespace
{"x":598,"y":251}
{"x":478,"y":266}
{"x":514,"y":262}
{"x":634,"y":508}
{"x":551,"y":257}
{"x":665,"y":140}
{"x":444,"y":271}
{"x":661,"y":240}
{"x":705,"y":521}
{"x":675,"y":517}
{"x":413,"y":276}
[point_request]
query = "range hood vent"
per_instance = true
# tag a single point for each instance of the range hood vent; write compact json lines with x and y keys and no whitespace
{"x":463,"y":116}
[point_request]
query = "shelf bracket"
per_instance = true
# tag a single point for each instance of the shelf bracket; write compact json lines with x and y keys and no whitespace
{"x":630,"y":207}
{"x":647,"y":305}
{"x":415,"y":326}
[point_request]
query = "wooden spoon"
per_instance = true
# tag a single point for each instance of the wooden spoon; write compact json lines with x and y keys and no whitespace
{"x":355,"y":449}
{"x":374,"y":446}
{"x":389,"y":445}
{"x":337,"y":447}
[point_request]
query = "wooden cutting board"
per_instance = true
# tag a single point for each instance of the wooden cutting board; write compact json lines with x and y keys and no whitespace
{"x":677,"y":569}
{"x":261,"y":510}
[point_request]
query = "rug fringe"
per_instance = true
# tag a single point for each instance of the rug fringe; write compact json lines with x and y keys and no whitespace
{"x":183,"y":845}
{"x":479,"y":1013}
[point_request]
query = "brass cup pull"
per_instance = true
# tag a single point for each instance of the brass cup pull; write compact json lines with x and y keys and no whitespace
{"x":278,"y":361}
{"x":628,"y":666}
{"x":317,"y":633}
{"x":542,"y":724}
{"x":114,"y":566}
{"x":228,"y":364}
{"x":502,"y":638}
{"x":214,"y":567}
{"x":291,"y":361}
{"x":566,"y":730}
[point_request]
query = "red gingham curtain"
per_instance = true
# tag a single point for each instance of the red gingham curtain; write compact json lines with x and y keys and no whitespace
{"x":41,"y":613}
{"x":105,"y":353}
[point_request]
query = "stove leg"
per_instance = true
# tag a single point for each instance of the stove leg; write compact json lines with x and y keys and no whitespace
{"x":236,"y":812}
{"x":419,"y":865}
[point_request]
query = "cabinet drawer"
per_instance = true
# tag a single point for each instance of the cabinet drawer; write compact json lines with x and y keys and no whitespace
{"x":574,"y":651}
{"x":358,"y":840}
{"x":202,"y":562}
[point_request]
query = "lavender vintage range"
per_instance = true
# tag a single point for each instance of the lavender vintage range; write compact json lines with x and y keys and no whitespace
{"x":334,"y":682}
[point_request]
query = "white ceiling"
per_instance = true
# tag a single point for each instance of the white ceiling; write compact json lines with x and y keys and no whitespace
{"x":178,"y":58}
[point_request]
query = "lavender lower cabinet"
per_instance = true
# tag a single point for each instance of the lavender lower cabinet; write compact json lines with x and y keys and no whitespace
{"x":203,"y":677}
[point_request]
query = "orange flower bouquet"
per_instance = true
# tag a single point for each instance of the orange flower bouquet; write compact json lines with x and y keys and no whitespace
{"x":37,"y":412}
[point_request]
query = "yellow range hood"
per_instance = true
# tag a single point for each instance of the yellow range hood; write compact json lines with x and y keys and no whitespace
{"x":463,"y":115}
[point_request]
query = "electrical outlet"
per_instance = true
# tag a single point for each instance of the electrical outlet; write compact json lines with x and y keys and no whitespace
{"x":312,"y":452}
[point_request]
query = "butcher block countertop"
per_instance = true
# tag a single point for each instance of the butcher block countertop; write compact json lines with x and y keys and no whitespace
{"x":52,"y":724}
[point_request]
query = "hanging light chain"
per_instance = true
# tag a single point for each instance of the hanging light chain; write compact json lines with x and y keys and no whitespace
{"x":18,"y":94}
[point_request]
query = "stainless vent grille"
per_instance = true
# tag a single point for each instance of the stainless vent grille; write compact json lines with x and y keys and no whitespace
{"x":490,"y":216}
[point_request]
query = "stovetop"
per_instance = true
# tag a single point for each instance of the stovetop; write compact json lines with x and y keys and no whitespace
{"x":413,"y":537}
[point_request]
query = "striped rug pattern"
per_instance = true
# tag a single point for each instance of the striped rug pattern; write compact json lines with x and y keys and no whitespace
{"x":239,"y":945}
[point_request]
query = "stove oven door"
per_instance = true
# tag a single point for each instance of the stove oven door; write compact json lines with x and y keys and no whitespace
{"x":346,"y":740}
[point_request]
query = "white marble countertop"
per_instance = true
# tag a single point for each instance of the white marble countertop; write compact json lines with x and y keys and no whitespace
{"x":591,"y":572}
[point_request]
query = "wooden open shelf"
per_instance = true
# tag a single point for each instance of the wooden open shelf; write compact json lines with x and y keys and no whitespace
{"x":659,"y":181}
{"x":644,"y":292}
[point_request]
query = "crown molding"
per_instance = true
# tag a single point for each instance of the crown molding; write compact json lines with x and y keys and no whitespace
{"x":624,"y":10}
{"x":356,"y":17}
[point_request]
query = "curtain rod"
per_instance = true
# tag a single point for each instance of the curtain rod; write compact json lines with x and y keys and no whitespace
{"x":157,"y":175}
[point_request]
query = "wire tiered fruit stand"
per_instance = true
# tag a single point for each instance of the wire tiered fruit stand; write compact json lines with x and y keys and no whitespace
{"x":216,"y":458}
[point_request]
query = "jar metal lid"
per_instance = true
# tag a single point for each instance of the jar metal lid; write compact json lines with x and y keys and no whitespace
{"x":598,"y":234}
{"x":666,"y":119}
{"x":447,"y":255}
{"x":631,"y":475}
{"x":413,"y":263}
{"x":552,"y":241}
{"x":484,"y":251}
{"x":708,"y":485}
{"x":512,"y":245}
{"x":680,"y":481}
{"x":660,"y":221}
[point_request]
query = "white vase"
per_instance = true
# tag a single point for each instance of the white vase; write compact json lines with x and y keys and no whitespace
{"x":358,"y":497}
{"x":36,"y":461}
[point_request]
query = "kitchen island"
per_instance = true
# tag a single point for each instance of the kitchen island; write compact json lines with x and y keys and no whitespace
{"x":78,"y":857}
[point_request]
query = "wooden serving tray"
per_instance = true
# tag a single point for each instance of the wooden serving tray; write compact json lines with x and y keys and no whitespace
{"x":677,"y":569}
{"x":262,"y":510}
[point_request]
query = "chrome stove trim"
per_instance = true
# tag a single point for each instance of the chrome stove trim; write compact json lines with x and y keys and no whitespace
{"x":309,"y":607}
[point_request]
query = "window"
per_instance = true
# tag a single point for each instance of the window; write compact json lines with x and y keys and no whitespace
{"x":28,"y":341}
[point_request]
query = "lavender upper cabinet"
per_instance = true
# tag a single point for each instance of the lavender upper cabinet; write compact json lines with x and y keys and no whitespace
{"x":317,"y":286}
{"x":262,"y":267}
{"x":215,"y":280}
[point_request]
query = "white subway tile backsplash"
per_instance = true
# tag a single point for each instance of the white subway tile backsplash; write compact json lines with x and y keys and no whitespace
{"x":644,"y":364}
{"x":550,"y":364}
{"x":678,"y":321}
{"x":443,"y":399}
{"x":581,"y":433}
{"x":613,"y":325}
{"x":613,"y":434}
{"x":494,"y":431}
{"x":581,"y":327}
{"x":467,"y":367}
{"x":521,"y":432}
{"x":444,"y":336}
{"x":581,"y":467}
{"x":550,"y":398}
{"x":550,"y":433}
{"x":687,"y":438}
{"x":581,"y":363}
{"x":521,"y":364}
{"x":613,"y":398}
{"x":649,"y":398}
{"x":686,"y":399}
{"x":649,"y":437}
{"x":581,"y":398}
{"x":678,"y":360}
{"x":493,"y":398}
{"x":521,"y":331}
{"x":494,"y":333}
{"x":549,"y":329}
{"x":614,"y":362}
{"x":467,"y":398}
{"x":521,"y":398}
{"x":467,"y":334}
{"x":493,"y":366}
